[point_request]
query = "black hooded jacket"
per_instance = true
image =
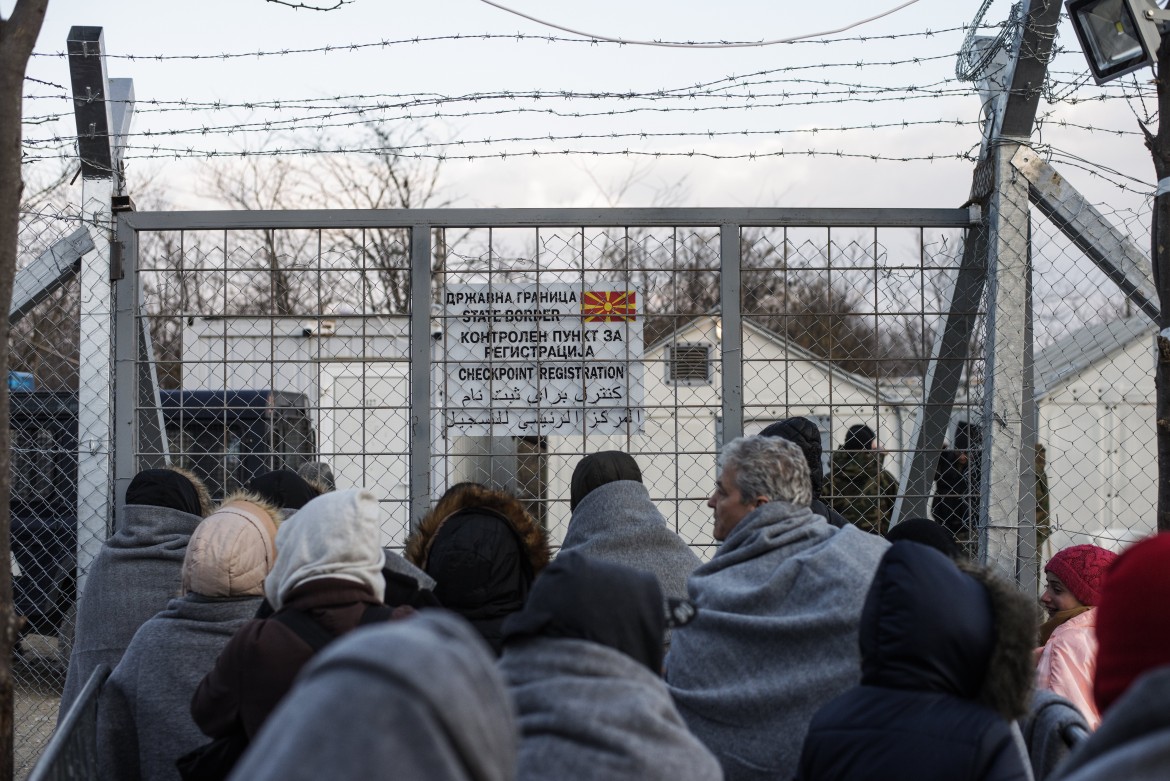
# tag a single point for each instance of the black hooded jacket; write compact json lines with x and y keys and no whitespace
{"x":803,"y":433}
{"x":929,"y":704}
{"x":483,"y":550}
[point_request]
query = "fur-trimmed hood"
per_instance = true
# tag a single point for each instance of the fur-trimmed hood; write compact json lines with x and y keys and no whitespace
{"x":466,"y":496}
{"x":484,"y":550}
{"x":929,"y":625}
{"x":1007,"y":689}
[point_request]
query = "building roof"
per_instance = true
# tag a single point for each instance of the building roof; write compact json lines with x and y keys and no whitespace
{"x":1084,"y":347}
{"x":881,"y":390}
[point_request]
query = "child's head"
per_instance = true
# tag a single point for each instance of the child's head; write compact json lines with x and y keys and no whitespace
{"x":1074,"y":577}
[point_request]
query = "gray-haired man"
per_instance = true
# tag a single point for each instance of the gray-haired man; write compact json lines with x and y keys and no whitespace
{"x":779,"y":605}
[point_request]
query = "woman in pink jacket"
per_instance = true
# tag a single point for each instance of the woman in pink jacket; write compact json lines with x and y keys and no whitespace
{"x":1068,"y":657}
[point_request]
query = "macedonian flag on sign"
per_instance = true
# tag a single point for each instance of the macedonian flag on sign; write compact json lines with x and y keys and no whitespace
{"x":610,"y":306}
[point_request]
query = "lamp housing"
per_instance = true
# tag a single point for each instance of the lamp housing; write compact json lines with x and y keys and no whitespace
{"x":1117,"y":36}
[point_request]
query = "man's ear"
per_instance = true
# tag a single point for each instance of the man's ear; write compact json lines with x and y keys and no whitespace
{"x":762,"y":500}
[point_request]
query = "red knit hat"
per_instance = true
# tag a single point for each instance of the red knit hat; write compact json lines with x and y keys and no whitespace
{"x":1133,"y":622}
{"x":1082,"y":569}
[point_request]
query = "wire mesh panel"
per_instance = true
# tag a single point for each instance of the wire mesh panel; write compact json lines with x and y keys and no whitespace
{"x":575,"y":352}
{"x":43,"y":385}
{"x":280,"y":349}
{"x":839,"y":326}
{"x":1094,"y":370}
{"x":547,"y":340}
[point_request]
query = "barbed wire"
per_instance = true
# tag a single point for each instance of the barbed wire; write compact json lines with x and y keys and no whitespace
{"x":360,"y":115}
{"x":333,"y":119}
{"x":159,"y":152}
{"x":66,"y":142}
{"x":294,"y":104}
{"x":46,"y":84}
{"x":713,"y":88}
{"x":762,"y":90}
{"x":1047,"y":119}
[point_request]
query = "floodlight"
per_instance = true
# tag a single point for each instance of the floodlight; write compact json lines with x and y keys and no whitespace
{"x":1117,"y":36}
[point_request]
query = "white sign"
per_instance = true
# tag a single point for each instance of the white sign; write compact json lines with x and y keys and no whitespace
{"x":543,"y":359}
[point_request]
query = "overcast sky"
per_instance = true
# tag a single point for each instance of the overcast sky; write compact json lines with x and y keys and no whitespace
{"x":774,"y":112}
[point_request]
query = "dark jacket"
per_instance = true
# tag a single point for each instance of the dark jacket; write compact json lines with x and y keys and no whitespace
{"x":484,"y":550}
{"x":803,"y":433}
{"x":945,"y":666}
{"x":956,"y":498}
{"x":258,"y":665}
{"x":861,"y":490}
{"x":954,"y":493}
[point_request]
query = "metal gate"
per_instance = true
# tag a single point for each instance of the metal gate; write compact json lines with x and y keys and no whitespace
{"x":738,"y":317}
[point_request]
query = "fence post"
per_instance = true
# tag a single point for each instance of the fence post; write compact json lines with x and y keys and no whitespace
{"x":731,"y":340}
{"x":1006,"y":382}
{"x":99,"y":180}
{"x":420,"y":373}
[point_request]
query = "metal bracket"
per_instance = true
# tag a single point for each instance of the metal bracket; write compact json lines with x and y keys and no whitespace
{"x":1081,"y":222}
{"x":53,"y":268}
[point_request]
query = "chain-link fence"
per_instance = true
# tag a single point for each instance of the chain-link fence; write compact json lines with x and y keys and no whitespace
{"x":541,"y":341}
{"x":1094,"y":375}
{"x":412,"y":351}
{"x":43,"y":383}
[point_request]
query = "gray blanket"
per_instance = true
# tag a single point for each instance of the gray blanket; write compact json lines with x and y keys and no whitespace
{"x":1050,"y":731}
{"x":137,"y":572}
{"x":417,"y":699}
{"x":396,"y":563}
{"x":590,"y":712}
{"x":619,"y":523}
{"x":144,"y":715}
{"x":775,"y":637}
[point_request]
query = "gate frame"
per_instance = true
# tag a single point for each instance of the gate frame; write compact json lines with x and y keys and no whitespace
{"x":419,"y":223}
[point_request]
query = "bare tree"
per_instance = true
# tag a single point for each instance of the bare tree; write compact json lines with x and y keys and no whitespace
{"x":827,"y":306}
{"x":384,"y":179}
{"x":18,"y":34}
{"x":264,"y":270}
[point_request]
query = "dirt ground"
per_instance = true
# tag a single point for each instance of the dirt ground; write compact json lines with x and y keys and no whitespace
{"x":39,"y":674}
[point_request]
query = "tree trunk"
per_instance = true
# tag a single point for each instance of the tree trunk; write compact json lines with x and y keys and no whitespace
{"x":18,"y":33}
{"x":1159,"y":145}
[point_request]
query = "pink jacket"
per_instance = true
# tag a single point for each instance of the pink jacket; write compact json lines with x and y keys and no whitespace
{"x":1068,"y":661}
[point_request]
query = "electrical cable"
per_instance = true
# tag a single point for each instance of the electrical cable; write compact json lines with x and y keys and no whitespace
{"x":687,"y":45}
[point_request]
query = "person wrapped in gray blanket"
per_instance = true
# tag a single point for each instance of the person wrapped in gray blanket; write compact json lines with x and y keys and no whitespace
{"x":1051,"y":730}
{"x":417,"y":699}
{"x":144,"y":715}
{"x":779,"y":605}
{"x":582,"y":662}
{"x":137,"y":571}
{"x":614,"y":519}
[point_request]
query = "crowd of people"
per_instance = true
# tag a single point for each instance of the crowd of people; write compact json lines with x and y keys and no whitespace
{"x":272,"y":637}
